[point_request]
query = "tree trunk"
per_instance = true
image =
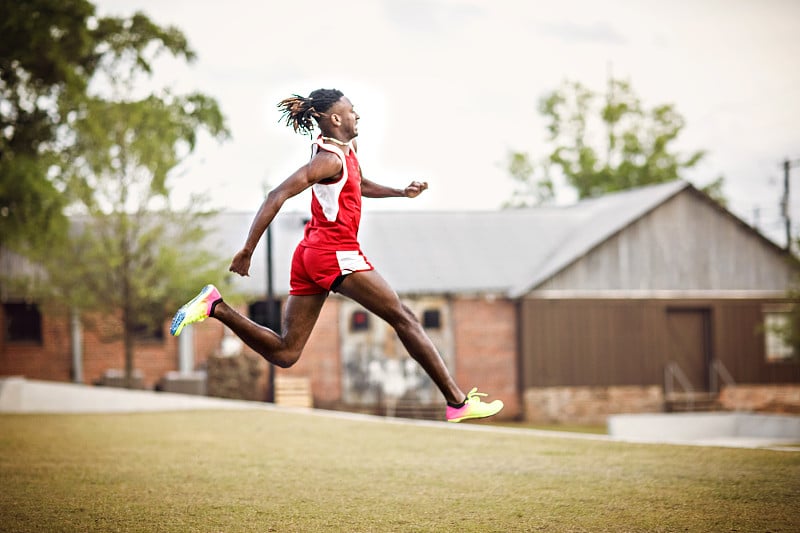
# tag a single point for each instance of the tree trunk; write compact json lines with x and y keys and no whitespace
{"x":127,"y":315}
{"x":128,"y":342}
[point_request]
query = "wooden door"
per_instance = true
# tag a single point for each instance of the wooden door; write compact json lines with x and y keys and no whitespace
{"x":689,"y":344}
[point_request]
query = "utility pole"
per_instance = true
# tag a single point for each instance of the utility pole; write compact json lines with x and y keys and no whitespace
{"x":270,"y":312}
{"x":785,"y":211}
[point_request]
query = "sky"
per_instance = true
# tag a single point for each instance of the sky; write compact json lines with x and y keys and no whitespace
{"x":446,"y":89}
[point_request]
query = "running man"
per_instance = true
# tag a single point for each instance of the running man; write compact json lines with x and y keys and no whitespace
{"x":329,"y":258}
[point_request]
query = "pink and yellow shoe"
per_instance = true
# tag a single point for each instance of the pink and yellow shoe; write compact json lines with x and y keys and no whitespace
{"x":198,"y":309}
{"x":473,"y":408}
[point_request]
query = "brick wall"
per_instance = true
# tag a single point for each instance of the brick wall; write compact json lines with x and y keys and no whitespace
{"x":484,"y":342}
{"x":762,"y":398}
{"x":48,"y":360}
{"x":486,"y":349}
{"x":589,"y":405}
{"x":592,"y":405}
{"x":153,"y":358}
{"x":320,"y":359}
{"x":52,"y":359}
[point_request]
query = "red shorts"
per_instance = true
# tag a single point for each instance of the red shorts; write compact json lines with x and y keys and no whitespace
{"x":316,"y":271}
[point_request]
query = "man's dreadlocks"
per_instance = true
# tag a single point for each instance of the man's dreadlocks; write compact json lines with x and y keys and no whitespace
{"x":298,"y":111}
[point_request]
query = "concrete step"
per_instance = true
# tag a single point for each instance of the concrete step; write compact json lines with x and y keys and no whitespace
{"x":687,"y":402}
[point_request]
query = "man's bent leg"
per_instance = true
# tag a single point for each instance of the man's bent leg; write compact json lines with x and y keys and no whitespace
{"x":369,"y":289}
{"x":283,"y":350}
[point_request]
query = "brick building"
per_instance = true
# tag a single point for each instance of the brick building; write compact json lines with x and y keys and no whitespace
{"x":628,"y":302}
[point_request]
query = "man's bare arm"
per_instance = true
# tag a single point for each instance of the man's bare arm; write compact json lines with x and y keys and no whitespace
{"x":323,"y":165}
{"x":370,"y":189}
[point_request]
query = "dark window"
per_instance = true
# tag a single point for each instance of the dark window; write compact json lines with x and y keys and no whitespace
{"x":148,"y":332}
{"x":259,"y":313}
{"x":431,"y":319}
{"x":23,"y":322}
{"x":359,"y":321}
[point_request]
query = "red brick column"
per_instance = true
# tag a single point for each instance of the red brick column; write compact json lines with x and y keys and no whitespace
{"x":485,"y":332}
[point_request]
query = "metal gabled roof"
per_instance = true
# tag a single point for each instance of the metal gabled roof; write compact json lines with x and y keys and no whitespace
{"x":507,"y":251}
{"x":594,"y":221}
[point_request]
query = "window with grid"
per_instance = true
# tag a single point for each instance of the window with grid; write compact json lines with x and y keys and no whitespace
{"x":777,"y":327}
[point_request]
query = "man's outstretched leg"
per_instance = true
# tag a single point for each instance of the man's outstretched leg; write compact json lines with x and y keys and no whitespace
{"x":283,"y":349}
{"x":369,"y":289}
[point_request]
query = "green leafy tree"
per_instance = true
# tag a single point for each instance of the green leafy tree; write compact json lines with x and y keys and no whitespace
{"x":50,"y":50}
{"x":134,"y":255}
{"x":601,"y":144}
{"x":130,"y":256}
{"x":529,"y":190}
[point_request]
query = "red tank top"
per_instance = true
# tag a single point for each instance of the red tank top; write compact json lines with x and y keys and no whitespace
{"x":335,"y":206}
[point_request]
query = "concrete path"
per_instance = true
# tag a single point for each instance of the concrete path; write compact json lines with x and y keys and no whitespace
{"x":20,"y":395}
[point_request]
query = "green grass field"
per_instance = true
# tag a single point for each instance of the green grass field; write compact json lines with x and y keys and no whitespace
{"x":230,"y":471}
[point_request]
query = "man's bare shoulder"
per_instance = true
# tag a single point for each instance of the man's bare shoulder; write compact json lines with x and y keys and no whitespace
{"x":324,"y":165}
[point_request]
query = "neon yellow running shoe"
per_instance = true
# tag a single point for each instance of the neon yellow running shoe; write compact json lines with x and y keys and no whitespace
{"x":198,"y":309}
{"x":473,"y":407}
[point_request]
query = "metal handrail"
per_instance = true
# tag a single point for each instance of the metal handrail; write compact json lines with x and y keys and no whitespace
{"x":718,"y":370}
{"x":673,"y":371}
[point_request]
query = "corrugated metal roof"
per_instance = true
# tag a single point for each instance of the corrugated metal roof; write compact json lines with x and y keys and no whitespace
{"x":508,"y":251}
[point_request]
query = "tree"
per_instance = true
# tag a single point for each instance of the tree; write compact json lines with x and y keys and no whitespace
{"x":529,"y":191}
{"x":601,"y":144}
{"x":130,"y":257}
{"x":134,"y":256}
{"x":50,"y":50}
